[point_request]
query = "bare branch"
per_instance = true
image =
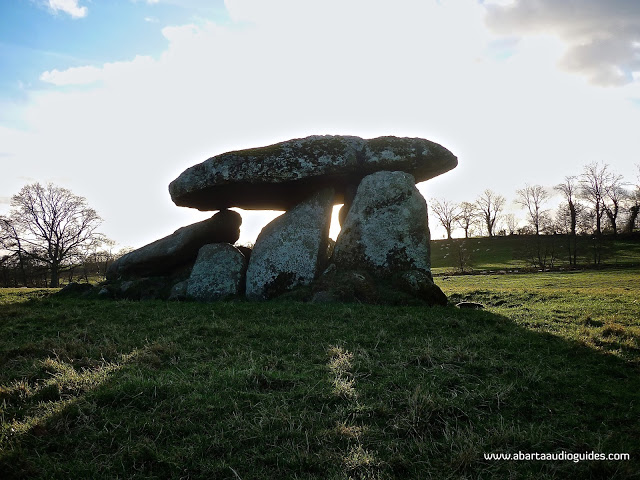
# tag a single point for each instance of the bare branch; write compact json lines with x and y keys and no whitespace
{"x":447,"y":213}
{"x":53,"y":225}
{"x":490,"y":204}
{"x":533,"y":199}
{"x":467,"y":213}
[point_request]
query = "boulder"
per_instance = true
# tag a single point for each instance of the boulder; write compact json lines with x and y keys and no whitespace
{"x":143,"y":288}
{"x":174,"y":251}
{"x":345,"y":286}
{"x":75,"y":289}
{"x":105,"y":293}
{"x":411,"y":287}
{"x":386,"y":229}
{"x":419,"y":284}
{"x":219,"y":272}
{"x":290,"y":250}
{"x":179,"y":291}
{"x":282,"y":175}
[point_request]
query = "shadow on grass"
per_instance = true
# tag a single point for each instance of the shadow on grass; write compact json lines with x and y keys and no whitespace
{"x":291,"y":390}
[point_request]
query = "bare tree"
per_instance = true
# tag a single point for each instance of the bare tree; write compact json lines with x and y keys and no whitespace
{"x":447,"y":213}
{"x":634,"y":204}
{"x":10,"y":242}
{"x":512,"y":223}
{"x":595,"y":182}
{"x":96,"y":258}
{"x":53,"y":226}
{"x":533,"y":199}
{"x":569,"y":189}
{"x":466,"y":216}
{"x":586,"y":220}
{"x":567,"y":215}
{"x":490,"y":205}
{"x":615,"y":196}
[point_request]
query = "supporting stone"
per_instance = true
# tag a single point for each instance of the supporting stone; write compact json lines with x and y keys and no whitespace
{"x":387,"y":226}
{"x":219,"y":272}
{"x":290,"y":250}
{"x":385,"y":234}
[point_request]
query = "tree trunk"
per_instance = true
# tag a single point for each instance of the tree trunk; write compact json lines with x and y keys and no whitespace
{"x":574,"y":220}
{"x":23,"y":273}
{"x":54,"y":276}
{"x":633,"y":215}
{"x":489,"y":227}
{"x":612,"y":215}
{"x":598,"y":219}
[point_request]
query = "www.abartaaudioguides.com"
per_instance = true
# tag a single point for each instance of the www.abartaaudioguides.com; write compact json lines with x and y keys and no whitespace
{"x":562,"y":456}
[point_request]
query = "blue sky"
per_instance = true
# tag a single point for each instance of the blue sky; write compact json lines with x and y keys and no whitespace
{"x":35,"y":38}
{"x":115,"y":98}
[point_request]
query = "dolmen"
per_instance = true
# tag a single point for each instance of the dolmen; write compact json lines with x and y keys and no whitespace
{"x":381,"y":255}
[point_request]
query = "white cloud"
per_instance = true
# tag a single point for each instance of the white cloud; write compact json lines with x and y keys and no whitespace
{"x":502,"y":3}
{"x":368,"y":68}
{"x":69,"y":7}
{"x":86,"y":75}
{"x":602,"y":37}
{"x":72,"y":76}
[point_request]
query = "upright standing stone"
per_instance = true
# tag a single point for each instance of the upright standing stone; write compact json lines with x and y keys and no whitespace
{"x":219,"y":272}
{"x":387,"y":227}
{"x":385,"y":233}
{"x":290,"y":249}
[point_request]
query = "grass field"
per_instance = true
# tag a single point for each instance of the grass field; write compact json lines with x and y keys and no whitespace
{"x":506,"y":253}
{"x":119,"y":389}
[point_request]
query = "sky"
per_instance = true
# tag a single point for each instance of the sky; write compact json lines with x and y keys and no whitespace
{"x":113,"y":99}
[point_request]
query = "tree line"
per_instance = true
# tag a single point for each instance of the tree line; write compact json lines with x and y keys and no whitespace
{"x":595,"y":202}
{"x":50,"y":233}
{"x":595,"y":205}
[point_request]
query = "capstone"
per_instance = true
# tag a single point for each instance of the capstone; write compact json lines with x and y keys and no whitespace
{"x":279,"y":176}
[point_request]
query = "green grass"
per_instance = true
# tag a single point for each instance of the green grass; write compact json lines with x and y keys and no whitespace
{"x":507,"y":253}
{"x":485,"y":253}
{"x":598,"y":308}
{"x":118,"y":389}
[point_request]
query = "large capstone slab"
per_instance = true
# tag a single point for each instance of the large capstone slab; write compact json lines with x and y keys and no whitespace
{"x":174,"y":251}
{"x":282,"y":175}
{"x":290,"y":249}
